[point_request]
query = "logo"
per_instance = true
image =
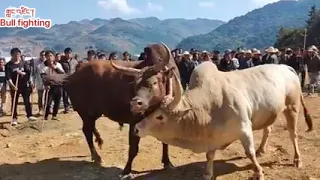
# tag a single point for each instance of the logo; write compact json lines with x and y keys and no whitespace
{"x":23,"y":17}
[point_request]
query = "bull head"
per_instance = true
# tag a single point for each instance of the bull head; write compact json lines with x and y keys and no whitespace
{"x":135,"y":72}
{"x":150,"y":83}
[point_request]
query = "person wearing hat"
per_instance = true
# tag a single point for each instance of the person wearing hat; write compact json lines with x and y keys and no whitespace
{"x":295,"y":61}
{"x":285,"y":55}
{"x":205,"y":56}
{"x":256,"y":57}
{"x":186,"y":67}
{"x":226,"y":63}
{"x":248,"y":59}
{"x":312,"y":61}
{"x":271,"y":56}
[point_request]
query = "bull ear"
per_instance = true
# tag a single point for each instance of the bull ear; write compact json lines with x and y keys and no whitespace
{"x":168,"y":72}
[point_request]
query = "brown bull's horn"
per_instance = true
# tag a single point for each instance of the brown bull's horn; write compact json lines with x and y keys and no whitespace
{"x":126,"y":70}
{"x":162,"y":63}
{"x":177,"y":91}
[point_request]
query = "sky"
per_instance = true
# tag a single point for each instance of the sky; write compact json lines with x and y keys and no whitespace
{"x":63,"y":11}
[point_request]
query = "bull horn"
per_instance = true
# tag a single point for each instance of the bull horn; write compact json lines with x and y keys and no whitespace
{"x":162,"y":63}
{"x":126,"y":70}
{"x":177,"y":91}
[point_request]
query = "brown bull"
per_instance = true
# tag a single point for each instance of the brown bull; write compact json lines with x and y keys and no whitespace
{"x":97,"y":88}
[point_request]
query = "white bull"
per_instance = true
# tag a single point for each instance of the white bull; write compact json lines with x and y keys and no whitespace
{"x":222,"y":107}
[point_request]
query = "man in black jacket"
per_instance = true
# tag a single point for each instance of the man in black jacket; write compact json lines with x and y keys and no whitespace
{"x":18,"y":70}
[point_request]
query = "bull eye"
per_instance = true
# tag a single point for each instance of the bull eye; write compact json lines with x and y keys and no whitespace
{"x":155,"y":83}
{"x":160,"y":117}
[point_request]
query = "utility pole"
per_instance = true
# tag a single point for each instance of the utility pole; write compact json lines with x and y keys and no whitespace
{"x":305,"y":38}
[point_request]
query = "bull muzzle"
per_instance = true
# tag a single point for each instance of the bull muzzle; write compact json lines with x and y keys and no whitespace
{"x":138,"y":106}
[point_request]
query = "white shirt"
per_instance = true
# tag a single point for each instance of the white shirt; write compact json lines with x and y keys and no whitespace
{"x":38,"y":67}
{"x":48,"y":70}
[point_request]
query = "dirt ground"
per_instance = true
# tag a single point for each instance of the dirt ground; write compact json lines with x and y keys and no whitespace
{"x":61,"y":152}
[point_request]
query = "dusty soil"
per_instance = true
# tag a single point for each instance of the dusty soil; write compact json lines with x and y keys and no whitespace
{"x":61,"y":152}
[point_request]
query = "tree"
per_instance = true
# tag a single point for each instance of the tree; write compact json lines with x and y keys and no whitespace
{"x":311,"y":14}
{"x":287,"y":37}
{"x":313,"y":28}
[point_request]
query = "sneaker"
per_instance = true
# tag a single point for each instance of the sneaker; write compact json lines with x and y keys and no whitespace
{"x":54,"y":118}
{"x":14,"y":122}
{"x":31,"y":118}
{"x":40,"y":112}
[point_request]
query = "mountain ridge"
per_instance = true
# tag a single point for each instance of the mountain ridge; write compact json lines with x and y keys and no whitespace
{"x":110,"y":34}
{"x":256,"y":29}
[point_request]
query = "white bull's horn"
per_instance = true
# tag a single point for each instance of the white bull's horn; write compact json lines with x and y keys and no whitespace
{"x":126,"y":70}
{"x":177,"y":90}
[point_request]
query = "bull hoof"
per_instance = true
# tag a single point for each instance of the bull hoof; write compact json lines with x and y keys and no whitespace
{"x":126,"y":177}
{"x":260,"y":152}
{"x":297,"y":163}
{"x":168,"y":166}
{"x":258,"y":176}
{"x":98,"y":161}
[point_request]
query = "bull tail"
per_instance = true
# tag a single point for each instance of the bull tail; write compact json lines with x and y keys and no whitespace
{"x":98,"y":140}
{"x":307,"y":116}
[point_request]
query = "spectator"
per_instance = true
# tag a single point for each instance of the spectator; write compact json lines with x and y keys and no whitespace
{"x":57,"y":57}
{"x":18,"y":70}
{"x":91,"y":55}
{"x":126,"y":56}
{"x":38,"y":65}
{"x":54,"y":94}
{"x":102,"y":56}
{"x":313,"y":65}
{"x":216,"y":57}
{"x":256,"y":59}
{"x":271,"y":56}
{"x":226,"y":63}
{"x":3,"y":86}
{"x":205,"y":56}
{"x":113,"y":56}
{"x":142,"y":56}
{"x":186,"y":67}
{"x":195,"y":58}
{"x":69,"y":66}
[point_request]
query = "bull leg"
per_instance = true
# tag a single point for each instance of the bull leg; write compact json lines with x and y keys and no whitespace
{"x":264,"y":141}
{"x":98,"y":140}
{"x":88,"y":130}
{"x":209,"y":175}
{"x":133,"y":151}
{"x":292,"y":117}
{"x":248,"y":145}
{"x":165,"y":157}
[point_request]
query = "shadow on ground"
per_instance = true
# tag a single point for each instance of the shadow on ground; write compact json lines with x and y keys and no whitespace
{"x":196,"y":170}
{"x":55,"y":169}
